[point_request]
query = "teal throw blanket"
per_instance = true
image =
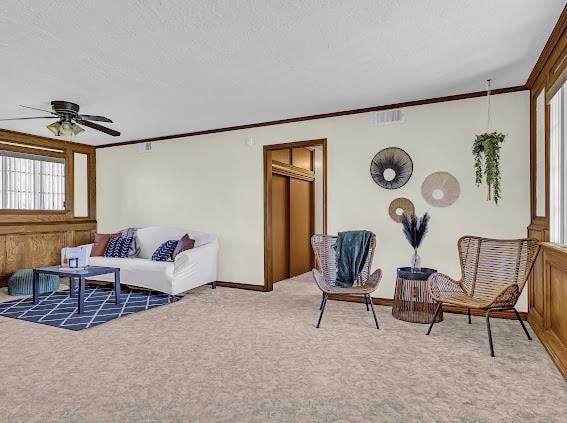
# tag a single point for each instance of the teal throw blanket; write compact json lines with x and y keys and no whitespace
{"x":351,"y":252}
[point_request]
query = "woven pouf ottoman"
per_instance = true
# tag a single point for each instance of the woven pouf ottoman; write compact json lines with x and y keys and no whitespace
{"x":21,"y":283}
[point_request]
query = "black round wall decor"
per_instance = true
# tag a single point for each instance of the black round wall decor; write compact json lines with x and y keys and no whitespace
{"x":391,"y":168}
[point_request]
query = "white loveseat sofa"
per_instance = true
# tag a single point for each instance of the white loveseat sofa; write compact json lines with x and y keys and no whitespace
{"x":192,"y":268}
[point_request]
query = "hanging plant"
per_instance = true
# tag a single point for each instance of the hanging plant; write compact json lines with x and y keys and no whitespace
{"x":487,"y":146}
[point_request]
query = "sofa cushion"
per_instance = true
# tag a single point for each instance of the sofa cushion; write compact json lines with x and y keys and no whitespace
{"x":118,"y":247}
{"x":131,"y":233}
{"x":165,"y":251}
{"x":151,"y":237}
{"x":185,"y":243}
{"x":144,"y":273}
{"x":100,"y":243}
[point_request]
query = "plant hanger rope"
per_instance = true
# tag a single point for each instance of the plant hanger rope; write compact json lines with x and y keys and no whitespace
{"x":487,"y":146}
{"x":488,"y":122}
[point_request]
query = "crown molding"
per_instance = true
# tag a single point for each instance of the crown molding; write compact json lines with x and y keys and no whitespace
{"x":554,"y":38}
{"x":320,"y":116}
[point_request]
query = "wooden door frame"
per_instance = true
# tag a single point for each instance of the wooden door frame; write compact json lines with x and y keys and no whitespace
{"x":268,"y":264}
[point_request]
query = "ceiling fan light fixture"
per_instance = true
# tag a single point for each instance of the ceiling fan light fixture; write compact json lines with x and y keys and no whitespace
{"x":54,"y":128}
{"x":65,"y":128}
{"x":76,"y":129}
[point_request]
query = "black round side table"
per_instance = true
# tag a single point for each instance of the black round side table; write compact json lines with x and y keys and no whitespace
{"x":412,"y":301}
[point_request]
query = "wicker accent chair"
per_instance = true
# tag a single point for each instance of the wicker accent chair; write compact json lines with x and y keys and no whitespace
{"x":494,"y":273}
{"x":326,"y":277}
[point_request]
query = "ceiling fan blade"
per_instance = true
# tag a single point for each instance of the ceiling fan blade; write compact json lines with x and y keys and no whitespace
{"x":94,"y":117}
{"x":99,"y":127}
{"x":41,"y":110}
{"x":36,"y":117}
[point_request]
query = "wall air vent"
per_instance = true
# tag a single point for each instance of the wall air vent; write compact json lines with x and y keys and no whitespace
{"x":388,"y":117}
{"x":146,"y":147}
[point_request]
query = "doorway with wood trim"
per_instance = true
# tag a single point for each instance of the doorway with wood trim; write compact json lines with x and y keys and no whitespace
{"x":295,"y":206}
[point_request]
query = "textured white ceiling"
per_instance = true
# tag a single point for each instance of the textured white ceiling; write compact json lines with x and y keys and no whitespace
{"x":165,"y":67}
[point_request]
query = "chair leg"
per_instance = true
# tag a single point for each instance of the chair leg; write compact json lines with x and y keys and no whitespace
{"x":322,"y":301}
{"x":323,"y":304}
{"x":469,"y":312}
{"x":437,"y":310}
{"x":489,"y":332}
{"x":369,"y":300}
{"x":366,"y":301}
{"x":522,"y":323}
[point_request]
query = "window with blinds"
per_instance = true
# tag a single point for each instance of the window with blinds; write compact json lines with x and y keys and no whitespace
{"x":558,"y":167}
{"x":31,"y":182}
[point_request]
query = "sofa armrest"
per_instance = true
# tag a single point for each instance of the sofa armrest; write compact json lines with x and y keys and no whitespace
{"x":89,"y":246}
{"x":203,"y":257}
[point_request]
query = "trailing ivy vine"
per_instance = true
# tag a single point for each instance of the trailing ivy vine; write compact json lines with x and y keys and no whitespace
{"x":488,"y":146}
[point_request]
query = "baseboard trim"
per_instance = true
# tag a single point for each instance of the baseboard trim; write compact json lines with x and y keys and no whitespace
{"x":501,"y":314}
{"x":247,"y":286}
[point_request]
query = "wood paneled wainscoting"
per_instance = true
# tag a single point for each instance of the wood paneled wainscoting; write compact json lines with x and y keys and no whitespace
{"x":33,"y":245}
{"x":548,"y":303}
{"x":535,"y":282}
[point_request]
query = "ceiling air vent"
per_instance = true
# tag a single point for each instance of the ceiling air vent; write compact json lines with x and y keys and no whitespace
{"x":388,"y":117}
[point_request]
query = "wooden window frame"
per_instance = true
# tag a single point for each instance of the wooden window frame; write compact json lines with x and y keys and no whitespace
{"x":548,"y":70}
{"x":41,"y":146}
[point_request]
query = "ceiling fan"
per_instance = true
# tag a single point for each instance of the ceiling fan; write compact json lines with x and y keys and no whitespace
{"x":68,"y":117}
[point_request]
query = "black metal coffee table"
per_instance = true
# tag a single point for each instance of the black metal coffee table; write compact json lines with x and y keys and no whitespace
{"x":73,"y":275}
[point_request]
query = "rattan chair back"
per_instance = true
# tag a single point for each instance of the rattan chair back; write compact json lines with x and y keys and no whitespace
{"x":488,"y":265}
{"x":323,"y":247}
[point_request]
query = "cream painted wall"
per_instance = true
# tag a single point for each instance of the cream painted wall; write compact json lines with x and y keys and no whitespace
{"x":214,"y":183}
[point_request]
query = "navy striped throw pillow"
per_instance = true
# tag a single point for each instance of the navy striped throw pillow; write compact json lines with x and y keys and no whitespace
{"x":118,"y":247}
{"x":165,"y":251}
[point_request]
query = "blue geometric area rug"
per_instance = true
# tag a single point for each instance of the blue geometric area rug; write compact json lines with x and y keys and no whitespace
{"x":57,"y":309}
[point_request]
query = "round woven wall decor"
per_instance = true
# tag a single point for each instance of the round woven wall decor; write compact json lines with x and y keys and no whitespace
{"x":391,"y":168}
{"x":440,"y":189}
{"x":399,"y":207}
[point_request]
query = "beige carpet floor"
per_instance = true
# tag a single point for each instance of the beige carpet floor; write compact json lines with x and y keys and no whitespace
{"x":230,"y":355}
